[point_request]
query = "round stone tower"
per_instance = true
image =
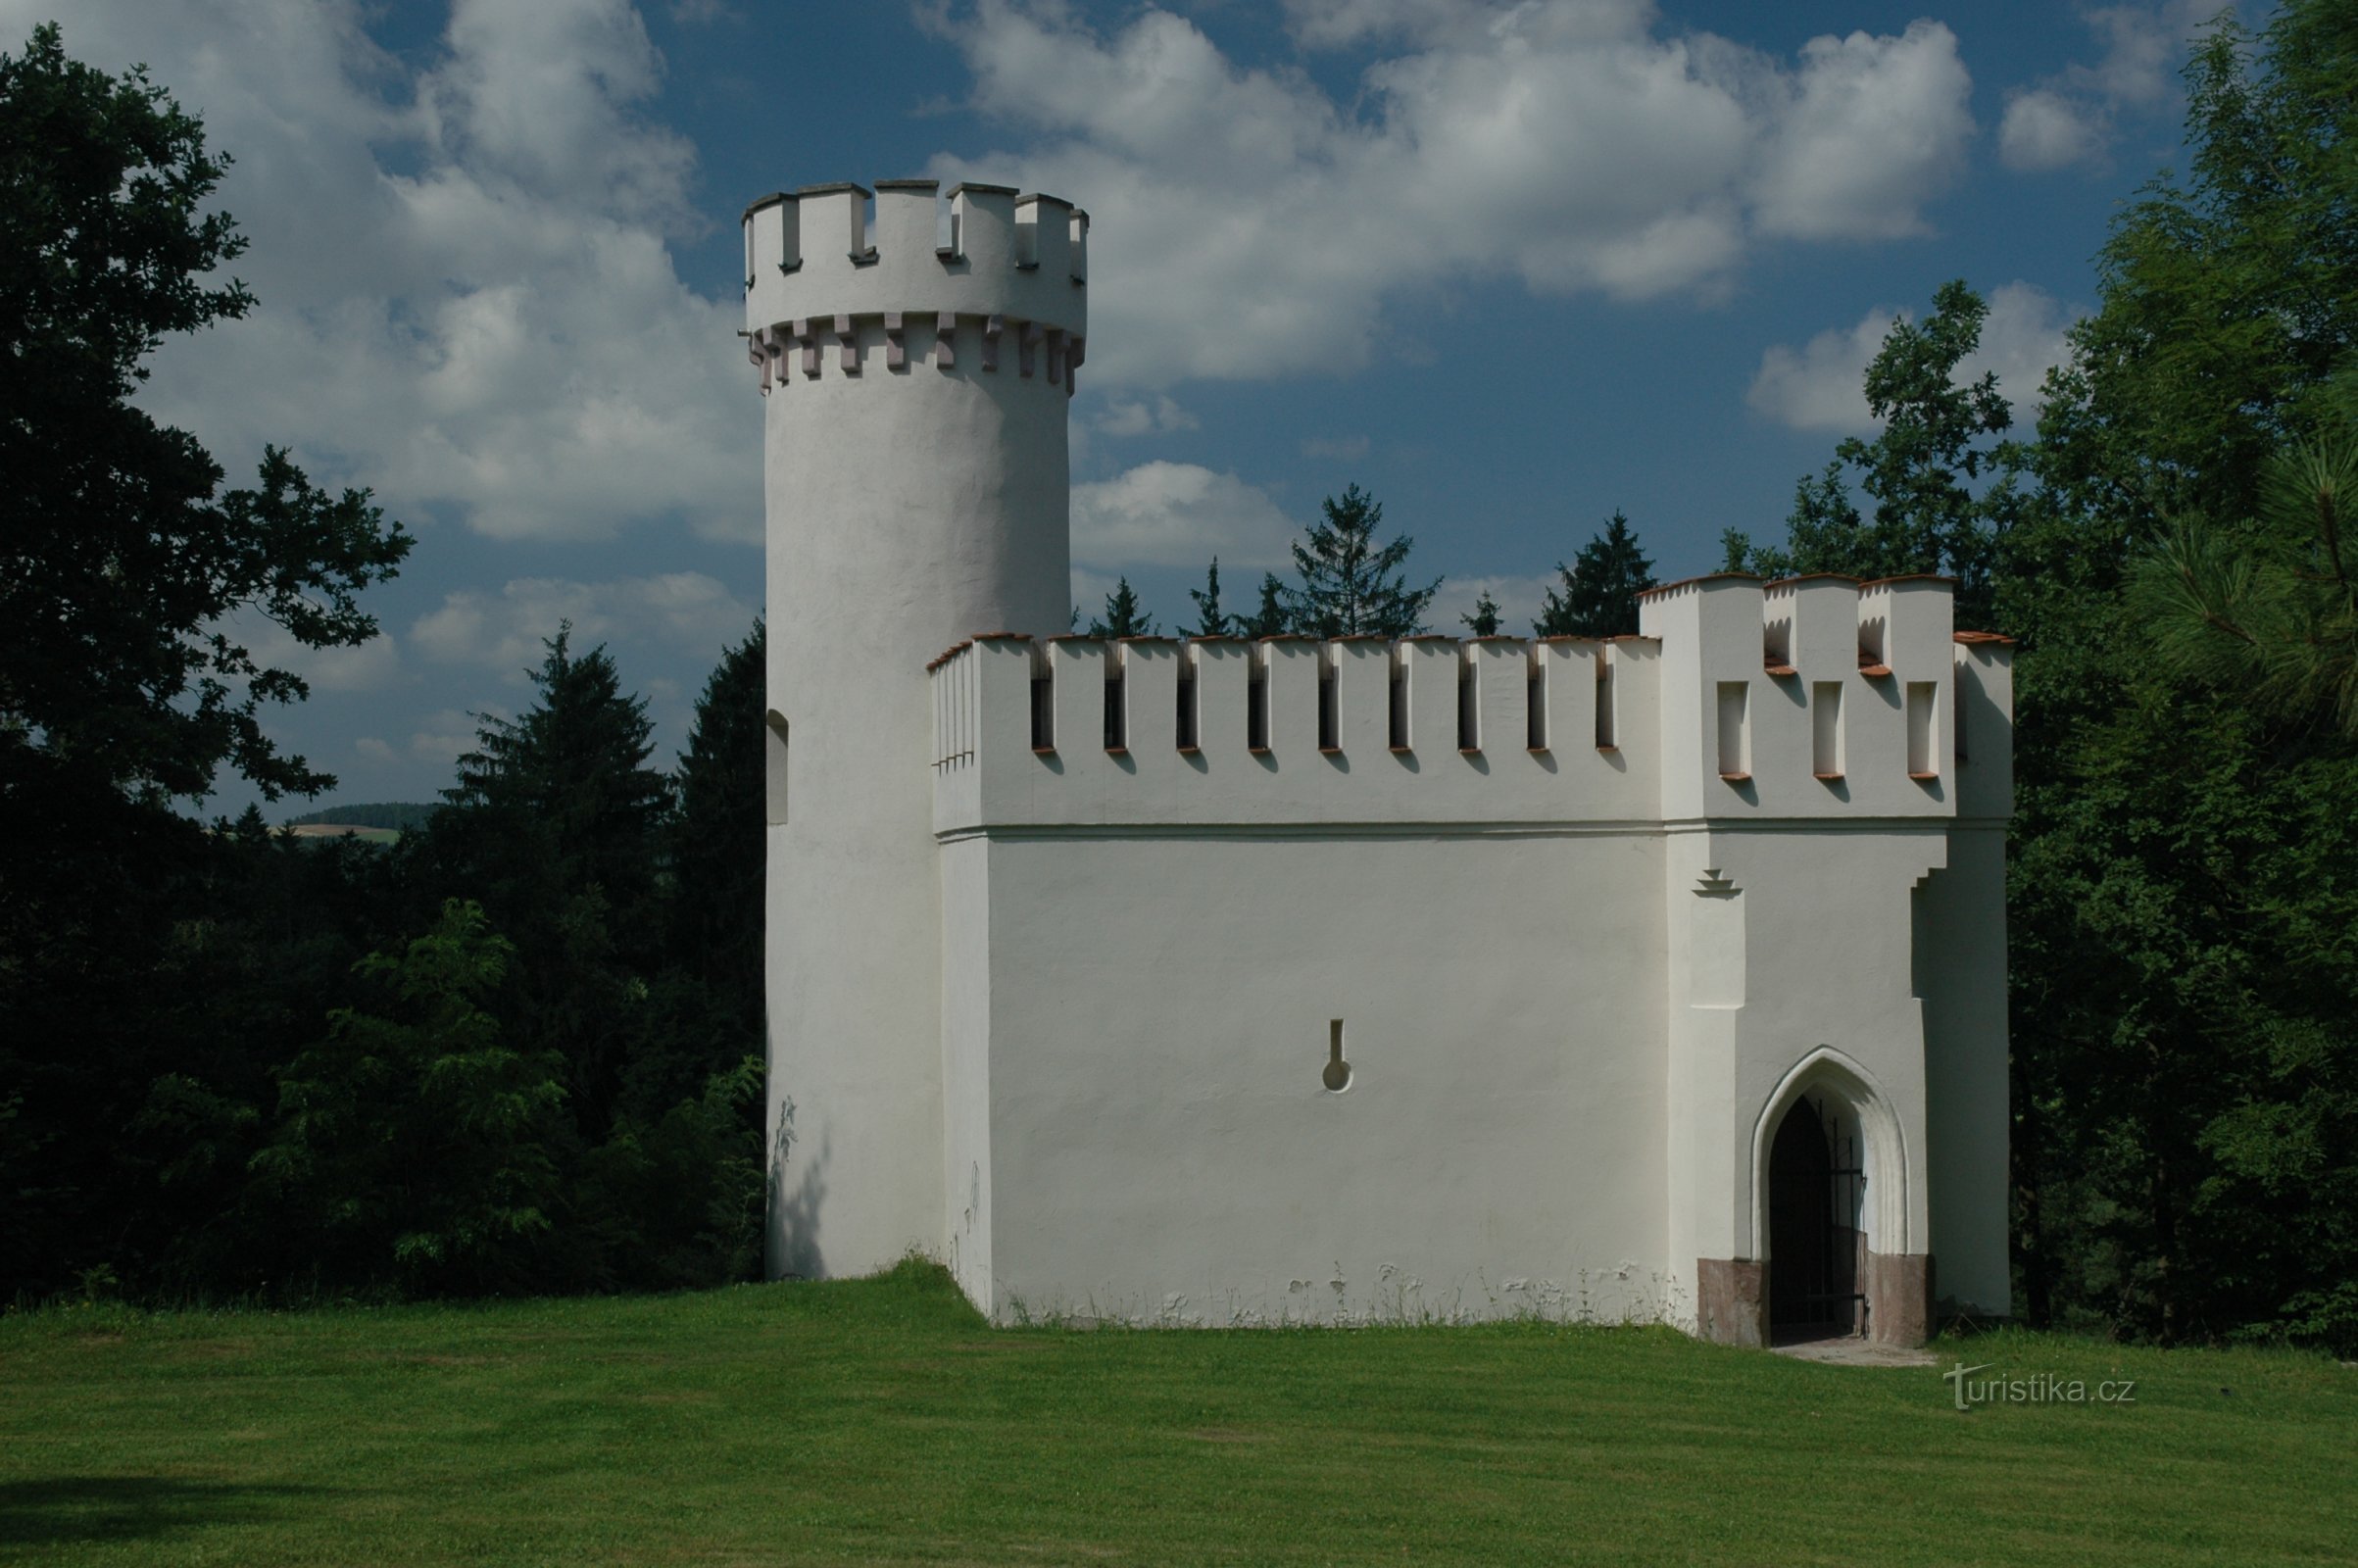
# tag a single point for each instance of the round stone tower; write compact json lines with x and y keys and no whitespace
{"x":916,"y":353}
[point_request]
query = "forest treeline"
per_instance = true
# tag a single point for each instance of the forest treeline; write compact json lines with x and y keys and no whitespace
{"x":519,"y":1049}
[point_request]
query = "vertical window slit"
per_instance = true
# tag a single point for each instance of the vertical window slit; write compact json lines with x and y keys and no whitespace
{"x":774,"y":767}
{"x":1044,"y":713}
{"x":1117,"y":716}
{"x":1608,"y":731}
{"x":1826,"y":729}
{"x":1535,"y":703}
{"x":1187,"y":702}
{"x":1257,"y":703}
{"x":1397,"y":698}
{"x":1734,"y":738}
{"x":1330,"y":724}
{"x":1921,"y":728}
{"x":1469,"y":702}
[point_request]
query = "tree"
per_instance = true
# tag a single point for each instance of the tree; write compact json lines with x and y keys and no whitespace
{"x":573,"y":770}
{"x":1937,"y":440}
{"x":1484,"y":620}
{"x":555,"y":824}
{"x":1210,"y":620}
{"x":122,"y":570}
{"x":2268,"y":609}
{"x":1349,"y":583}
{"x":2180,"y":893}
{"x":1272,"y":617}
{"x":1599,"y":592}
{"x":717,"y":837}
{"x":130,"y":583}
{"x":1123,"y":618}
{"x":418,"y":1145}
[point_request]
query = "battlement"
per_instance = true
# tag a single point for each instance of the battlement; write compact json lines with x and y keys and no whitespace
{"x":1814,"y":699}
{"x":976,"y":278}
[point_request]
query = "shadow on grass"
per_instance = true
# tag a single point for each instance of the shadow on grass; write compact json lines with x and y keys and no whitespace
{"x":62,"y":1509}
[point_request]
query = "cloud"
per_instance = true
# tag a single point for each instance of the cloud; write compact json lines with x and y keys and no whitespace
{"x":1817,"y":387}
{"x":685,"y":610}
{"x":373,"y":748}
{"x":1518,"y":600}
{"x":1249,"y":224}
{"x":1820,"y":385}
{"x":467,"y":294}
{"x":2044,"y":129}
{"x":1340,"y":448}
{"x":1874,"y":125}
{"x":1175,"y":515}
{"x":1090,"y":590}
{"x":445,"y":736}
{"x":372,"y":665}
{"x":1142,"y":417}
{"x":2068,"y":118}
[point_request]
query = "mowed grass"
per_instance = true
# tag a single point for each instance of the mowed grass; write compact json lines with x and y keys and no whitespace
{"x":881,"y":1421}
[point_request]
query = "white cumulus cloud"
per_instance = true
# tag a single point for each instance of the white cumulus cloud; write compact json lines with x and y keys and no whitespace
{"x":2044,"y":128}
{"x":1156,"y":414}
{"x":1249,"y":224}
{"x":1175,"y":515}
{"x":466,"y":295}
{"x":682,"y":610}
{"x":1819,"y":386}
{"x":2068,"y":118}
{"x":1518,"y":598}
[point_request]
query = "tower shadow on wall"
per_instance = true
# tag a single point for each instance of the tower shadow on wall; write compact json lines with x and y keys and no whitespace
{"x":794,"y":1211}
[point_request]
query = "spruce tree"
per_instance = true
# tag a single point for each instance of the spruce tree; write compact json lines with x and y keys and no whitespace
{"x":717,"y":836}
{"x":1273,"y":616}
{"x":1351,"y":584}
{"x":1483,"y":621}
{"x":1598,"y":596}
{"x":1210,"y":621}
{"x":1123,"y":616}
{"x":556,"y":826}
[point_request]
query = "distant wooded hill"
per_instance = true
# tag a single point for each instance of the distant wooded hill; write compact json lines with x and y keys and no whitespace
{"x":398,"y":815}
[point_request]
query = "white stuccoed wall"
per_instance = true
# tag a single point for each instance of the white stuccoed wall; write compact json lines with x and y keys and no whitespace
{"x":1058,"y":1012}
{"x":909,"y":504}
{"x":1580,"y":985}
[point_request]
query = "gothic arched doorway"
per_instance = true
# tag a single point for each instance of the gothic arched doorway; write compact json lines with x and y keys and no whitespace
{"x":1813,"y":1234}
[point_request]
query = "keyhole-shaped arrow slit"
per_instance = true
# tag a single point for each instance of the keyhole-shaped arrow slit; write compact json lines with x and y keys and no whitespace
{"x":1337,"y":1076}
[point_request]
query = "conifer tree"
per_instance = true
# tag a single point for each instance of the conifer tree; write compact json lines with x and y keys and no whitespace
{"x":1273,"y":616}
{"x":1123,"y":616}
{"x":574,"y":768}
{"x":1351,"y":584}
{"x":1599,"y":592}
{"x":716,"y":836}
{"x":1210,"y":621}
{"x":1483,"y":621}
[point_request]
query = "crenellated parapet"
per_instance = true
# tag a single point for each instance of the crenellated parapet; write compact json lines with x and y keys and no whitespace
{"x":1815,"y":698}
{"x":843,"y":280}
{"x":1825,"y":696}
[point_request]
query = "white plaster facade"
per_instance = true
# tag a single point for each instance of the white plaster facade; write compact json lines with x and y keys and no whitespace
{"x":1219,"y":981}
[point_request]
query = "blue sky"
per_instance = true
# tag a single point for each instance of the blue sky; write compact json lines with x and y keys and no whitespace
{"x":1508,"y":266}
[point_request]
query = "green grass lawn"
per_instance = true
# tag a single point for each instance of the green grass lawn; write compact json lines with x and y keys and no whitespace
{"x":880,"y":1420}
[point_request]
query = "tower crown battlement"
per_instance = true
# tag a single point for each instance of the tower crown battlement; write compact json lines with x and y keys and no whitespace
{"x":972,"y":278}
{"x":1810,"y":699}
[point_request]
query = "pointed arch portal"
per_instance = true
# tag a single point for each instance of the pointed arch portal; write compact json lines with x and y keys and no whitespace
{"x":1830,"y":1209}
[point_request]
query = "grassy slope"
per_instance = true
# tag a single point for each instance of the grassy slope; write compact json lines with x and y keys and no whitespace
{"x":880,"y":1420}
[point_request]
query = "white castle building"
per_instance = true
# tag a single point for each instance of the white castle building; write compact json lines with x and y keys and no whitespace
{"x":1227,"y":981}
